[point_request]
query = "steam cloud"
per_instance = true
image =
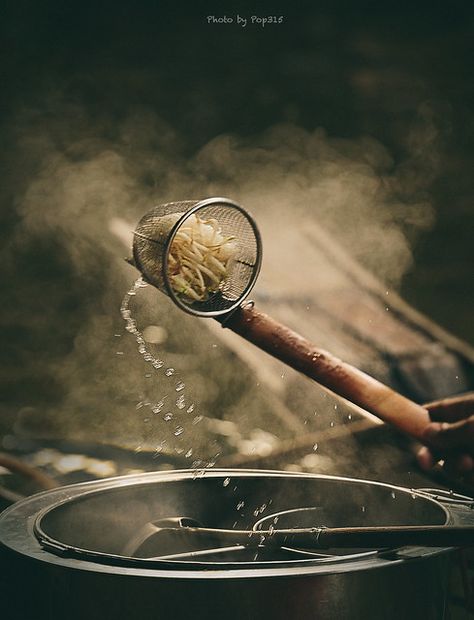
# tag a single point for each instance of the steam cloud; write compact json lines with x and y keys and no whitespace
{"x":67,"y":275}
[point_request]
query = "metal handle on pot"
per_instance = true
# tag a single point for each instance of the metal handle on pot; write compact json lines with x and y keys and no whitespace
{"x":343,"y":537}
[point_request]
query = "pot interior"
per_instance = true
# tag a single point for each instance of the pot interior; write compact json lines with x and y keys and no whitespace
{"x":117,"y":520}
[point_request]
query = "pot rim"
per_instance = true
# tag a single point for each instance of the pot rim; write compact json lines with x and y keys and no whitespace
{"x":33,"y":508}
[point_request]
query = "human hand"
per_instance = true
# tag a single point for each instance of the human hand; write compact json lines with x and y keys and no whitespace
{"x":450,"y":436}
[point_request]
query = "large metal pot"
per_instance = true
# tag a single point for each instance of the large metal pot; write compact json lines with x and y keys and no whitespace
{"x":64,"y":552}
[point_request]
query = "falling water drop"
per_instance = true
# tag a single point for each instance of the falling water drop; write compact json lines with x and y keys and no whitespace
{"x":179,"y":430}
{"x":169,"y":372}
{"x":157,"y":407}
{"x":168,"y":416}
{"x":179,"y":386}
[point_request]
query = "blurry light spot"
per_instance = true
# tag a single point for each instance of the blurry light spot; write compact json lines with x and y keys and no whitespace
{"x":155,"y":334}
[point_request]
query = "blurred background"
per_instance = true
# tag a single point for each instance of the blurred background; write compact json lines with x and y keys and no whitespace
{"x":346,"y":130}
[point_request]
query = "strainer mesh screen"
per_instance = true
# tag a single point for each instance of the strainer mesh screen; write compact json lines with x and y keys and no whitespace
{"x":157,"y":229}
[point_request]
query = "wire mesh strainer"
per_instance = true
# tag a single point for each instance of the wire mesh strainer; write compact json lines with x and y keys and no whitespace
{"x":214,"y":283}
{"x":220,"y":233}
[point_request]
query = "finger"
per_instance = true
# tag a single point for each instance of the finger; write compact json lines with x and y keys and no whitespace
{"x":451,"y":409}
{"x":425,"y":459}
{"x":444,"y":437}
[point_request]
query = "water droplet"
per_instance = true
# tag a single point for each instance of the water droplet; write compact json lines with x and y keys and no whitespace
{"x":331,"y":424}
{"x":240,"y":505}
{"x":180,"y":402}
{"x":363,"y":508}
{"x":255,"y":514}
{"x":142,"y":349}
{"x":226,"y":482}
{"x":139,"y":405}
{"x":118,"y":335}
{"x":147,"y":357}
{"x":315,"y":447}
{"x":119,"y":352}
{"x":160,"y":446}
{"x":349,"y":417}
{"x":179,"y":430}
{"x":169,"y":372}
{"x":157,"y":364}
{"x":179,"y":386}
{"x":168,"y":416}
{"x":190,"y":409}
{"x":393,"y":495}
{"x":157,"y":407}
{"x":189,"y":453}
{"x":146,"y":420}
{"x":147,"y":375}
{"x":140,"y":340}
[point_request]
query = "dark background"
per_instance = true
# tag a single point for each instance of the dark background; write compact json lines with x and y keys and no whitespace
{"x":350,"y":68}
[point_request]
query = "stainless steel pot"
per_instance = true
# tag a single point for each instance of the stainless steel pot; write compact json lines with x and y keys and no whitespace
{"x":66,"y":553}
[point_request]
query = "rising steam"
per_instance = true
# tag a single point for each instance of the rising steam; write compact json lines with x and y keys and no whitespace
{"x":84,"y":188}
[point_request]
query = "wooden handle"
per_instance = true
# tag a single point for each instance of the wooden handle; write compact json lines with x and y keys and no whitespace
{"x":393,"y":536}
{"x":334,"y":374}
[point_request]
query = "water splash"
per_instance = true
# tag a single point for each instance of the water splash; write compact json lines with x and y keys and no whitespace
{"x":157,"y":363}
